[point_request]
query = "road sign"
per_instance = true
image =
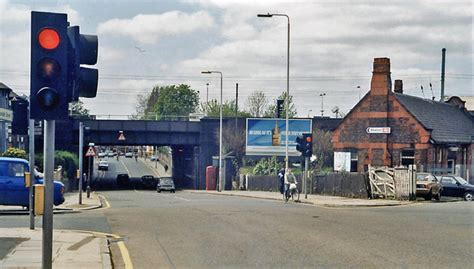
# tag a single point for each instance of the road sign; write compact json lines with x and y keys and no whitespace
{"x":121,"y":136}
{"x":378,"y":130}
{"x":90,"y":152}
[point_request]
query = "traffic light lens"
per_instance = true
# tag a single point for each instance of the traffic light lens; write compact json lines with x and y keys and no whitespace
{"x":309,"y":139}
{"x":48,"y":68}
{"x":48,"y":98}
{"x":48,"y":39}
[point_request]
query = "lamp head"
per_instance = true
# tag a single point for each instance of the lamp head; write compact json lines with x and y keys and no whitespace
{"x":268,"y":15}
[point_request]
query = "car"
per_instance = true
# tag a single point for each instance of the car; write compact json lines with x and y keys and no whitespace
{"x":12,"y":183}
{"x":456,"y":186}
{"x":101,"y":155}
{"x":428,"y":186}
{"x":103,"y":166}
{"x":154,"y":158}
{"x":165,"y":184}
{"x":123,"y":179}
{"x":129,"y":155}
{"x":110,"y":154}
{"x":148,"y":181}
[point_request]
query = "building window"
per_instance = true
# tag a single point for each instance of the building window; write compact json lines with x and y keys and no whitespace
{"x":451,"y":166}
{"x":407,"y":157}
{"x":354,"y":161}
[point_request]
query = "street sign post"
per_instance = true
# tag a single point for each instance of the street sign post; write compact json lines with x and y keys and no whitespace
{"x":90,"y":153}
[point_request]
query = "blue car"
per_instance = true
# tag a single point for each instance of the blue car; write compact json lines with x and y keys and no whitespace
{"x":12,"y":183}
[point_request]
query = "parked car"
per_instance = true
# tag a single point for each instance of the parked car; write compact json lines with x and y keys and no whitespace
{"x":165,"y":184}
{"x":101,"y":155}
{"x":129,"y":155}
{"x":12,"y":183}
{"x":428,"y":186}
{"x":148,"y":181}
{"x":455,"y":186}
{"x":103,"y":166}
{"x":110,"y":154}
{"x":123,"y":179}
{"x":154,"y":158}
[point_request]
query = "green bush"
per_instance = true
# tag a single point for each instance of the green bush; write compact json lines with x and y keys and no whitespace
{"x":15,"y":153}
{"x":267,"y":166}
{"x":66,"y":159}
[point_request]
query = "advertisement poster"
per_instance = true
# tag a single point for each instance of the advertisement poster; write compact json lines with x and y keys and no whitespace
{"x":267,"y":136}
{"x":342,"y":161}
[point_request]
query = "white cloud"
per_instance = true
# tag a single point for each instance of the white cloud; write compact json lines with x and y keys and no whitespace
{"x":149,"y":28}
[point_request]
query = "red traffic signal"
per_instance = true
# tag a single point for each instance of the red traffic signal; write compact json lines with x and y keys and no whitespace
{"x":48,"y":39}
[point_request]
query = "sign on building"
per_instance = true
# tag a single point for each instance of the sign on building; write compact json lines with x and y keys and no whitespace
{"x":267,"y":136}
{"x":378,"y":130}
{"x":342,"y":161}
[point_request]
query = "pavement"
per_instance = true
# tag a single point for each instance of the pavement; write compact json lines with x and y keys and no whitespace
{"x":319,"y":200}
{"x":71,"y":249}
{"x":70,"y":205}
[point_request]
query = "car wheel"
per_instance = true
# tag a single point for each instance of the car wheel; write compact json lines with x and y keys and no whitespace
{"x":468,"y":196}
{"x":429,"y":196}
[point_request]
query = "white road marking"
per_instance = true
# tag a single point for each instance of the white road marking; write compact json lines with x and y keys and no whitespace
{"x":181,"y":198}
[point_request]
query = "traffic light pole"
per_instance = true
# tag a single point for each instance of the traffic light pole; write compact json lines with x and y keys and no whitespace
{"x":32,"y":171}
{"x":81,"y":149}
{"x":305,"y":176}
{"x":49,"y":127}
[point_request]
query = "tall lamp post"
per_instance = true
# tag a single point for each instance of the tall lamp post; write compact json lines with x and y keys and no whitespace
{"x":269,"y":15}
{"x":358,"y":87}
{"x":220,"y":129}
{"x":207,"y":93}
{"x":322,"y":103}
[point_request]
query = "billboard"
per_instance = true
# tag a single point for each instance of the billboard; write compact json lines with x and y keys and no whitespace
{"x":267,"y":136}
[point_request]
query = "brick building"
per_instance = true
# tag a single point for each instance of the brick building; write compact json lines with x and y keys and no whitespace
{"x":393,"y":129}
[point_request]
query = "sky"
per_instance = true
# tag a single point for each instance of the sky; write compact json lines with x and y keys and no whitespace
{"x":332,"y":47}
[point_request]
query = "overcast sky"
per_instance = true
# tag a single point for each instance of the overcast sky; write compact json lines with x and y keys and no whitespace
{"x":333,"y":43}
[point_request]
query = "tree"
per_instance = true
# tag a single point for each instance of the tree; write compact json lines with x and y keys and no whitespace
{"x":257,"y":103}
{"x":163,"y":101}
{"x":212,"y":109}
{"x":322,"y":149}
{"x":270,"y":112}
{"x":78,"y":109}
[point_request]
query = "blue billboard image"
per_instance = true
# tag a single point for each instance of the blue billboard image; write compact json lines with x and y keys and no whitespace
{"x":267,"y":136}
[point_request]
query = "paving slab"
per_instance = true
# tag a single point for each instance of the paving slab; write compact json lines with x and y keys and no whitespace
{"x":320,"y":200}
{"x":71,"y":249}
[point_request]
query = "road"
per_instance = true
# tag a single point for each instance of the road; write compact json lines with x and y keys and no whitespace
{"x":186,"y":230}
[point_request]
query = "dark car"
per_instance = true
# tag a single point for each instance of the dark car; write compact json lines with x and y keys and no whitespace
{"x":12,"y":183}
{"x":123,"y":179}
{"x":165,"y":184}
{"x":148,"y":181}
{"x":455,"y":186}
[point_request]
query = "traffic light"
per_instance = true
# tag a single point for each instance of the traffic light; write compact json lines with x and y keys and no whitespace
{"x":49,"y":66}
{"x":304,"y":144}
{"x":279,"y":108}
{"x":20,"y":116}
{"x":57,"y":78}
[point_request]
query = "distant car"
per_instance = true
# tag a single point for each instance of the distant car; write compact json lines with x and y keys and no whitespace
{"x":101,"y":154}
{"x":103,"y":166}
{"x":455,"y":186}
{"x":110,"y":154}
{"x":148,"y":181}
{"x":129,"y":155}
{"x":123,"y":179}
{"x":154,"y":158}
{"x":165,"y":184}
{"x":428,"y":186}
{"x":12,"y":183}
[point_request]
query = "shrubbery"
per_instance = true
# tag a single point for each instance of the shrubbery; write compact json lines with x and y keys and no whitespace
{"x":15,"y":153}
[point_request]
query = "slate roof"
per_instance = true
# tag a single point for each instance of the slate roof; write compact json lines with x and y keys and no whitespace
{"x":447,"y":123}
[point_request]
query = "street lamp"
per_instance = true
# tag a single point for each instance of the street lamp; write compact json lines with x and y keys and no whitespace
{"x":207,"y":93}
{"x":269,"y":15}
{"x":220,"y":129}
{"x":322,"y":103}
{"x":309,"y":112}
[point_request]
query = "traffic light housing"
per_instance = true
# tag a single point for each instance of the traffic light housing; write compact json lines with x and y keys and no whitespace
{"x":304,"y":144}
{"x":57,"y":78}
{"x":279,"y":108}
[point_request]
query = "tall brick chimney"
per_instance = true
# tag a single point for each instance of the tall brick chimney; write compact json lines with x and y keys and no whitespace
{"x":398,"y":86}
{"x":381,"y":83}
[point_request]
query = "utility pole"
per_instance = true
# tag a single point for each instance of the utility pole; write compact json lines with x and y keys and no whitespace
{"x":322,"y":103}
{"x":305,"y":176}
{"x":236,"y":103}
{"x":81,"y":157}
{"x":443,"y":70}
{"x":207,"y":93}
{"x":49,"y":138}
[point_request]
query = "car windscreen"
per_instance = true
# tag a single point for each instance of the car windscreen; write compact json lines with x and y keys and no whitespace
{"x":12,"y":169}
{"x":167,"y":181}
{"x":462,"y":180}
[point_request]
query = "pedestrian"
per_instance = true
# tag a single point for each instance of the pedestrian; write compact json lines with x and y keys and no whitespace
{"x":166,"y":168}
{"x":281,"y":177}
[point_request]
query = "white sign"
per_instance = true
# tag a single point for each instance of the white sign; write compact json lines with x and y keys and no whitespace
{"x":378,"y":130}
{"x":342,"y":161}
{"x":121,"y":137}
{"x":6,"y":114}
